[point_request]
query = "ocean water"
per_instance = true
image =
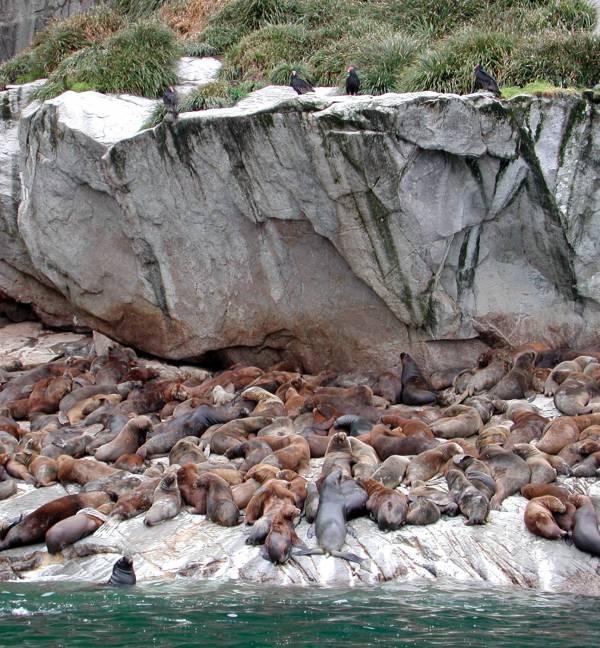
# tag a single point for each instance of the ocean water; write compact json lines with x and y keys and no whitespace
{"x":208,"y":614}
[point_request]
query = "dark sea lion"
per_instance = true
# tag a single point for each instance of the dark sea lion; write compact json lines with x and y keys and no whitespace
{"x":566,"y":520}
{"x":33,"y":527}
{"x":457,"y":421}
{"x":429,"y":463}
{"x":8,"y":487}
{"x":129,"y":439}
{"x":67,"y":531}
{"x":518,"y":381}
{"x":472,"y":502}
{"x":166,"y":502}
{"x":588,"y":467}
{"x":220,"y":505}
{"x":386,"y":506}
{"x":444,"y":378}
{"x":539,"y":519}
{"x":330,"y":523}
{"x":585,"y":533}
{"x":353,"y":425}
{"x":311,"y":503}
{"x":123,"y":572}
{"x":422,"y":511}
{"x":416,"y":390}
{"x":510,"y":472}
{"x":391,"y":472}
{"x":137,"y":501}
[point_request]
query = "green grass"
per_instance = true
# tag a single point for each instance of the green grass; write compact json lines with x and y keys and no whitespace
{"x":538,"y":88}
{"x":395,"y":45}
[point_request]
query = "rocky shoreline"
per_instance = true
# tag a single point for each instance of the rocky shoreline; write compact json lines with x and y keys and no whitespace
{"x":500,"y":552}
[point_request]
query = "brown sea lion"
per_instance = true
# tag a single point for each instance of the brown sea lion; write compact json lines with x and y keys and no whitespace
{"x":486,"y":378}
{"x":66,"y":532}
{"x":416,"y":390}
{"x":228,"y":435}
{"x":510,"y":472}
{"x":391,"y":472}
{"x":574,"y":394}
{"x":220,"y":505}
{"x":528,"y":426}
{"x":539,"y":519}
{"x":588,"y":467}
{"x":187,"y":477}
{"x":586,"y":535}
{"x":166,"y":502}
{"x":564,"y":431}
{"x":137,"y":501}
{"x":457,"y":421}
{"x":539,"y":490}
{"x":364,"y":458}
{"x":242,"y":493}
{"x":338,"y":455}
{"x":187,"y":450}
{"x":559,"y":374}
{"x":445,"y":378}
{"x":386,"y":446}
{"x":81,"y":471}
{"x":472,"y":502}
{"x":389,"y":385}
{"x":129,"y":439}
{"x":518,"y":381}
{"x":85,"y":407}
{"x":44,"y":470}
{"x":267,"y":499}
{"x":33,"y":527}
{"x":422,"y":511}
{"x":386,"y":506}
{"x":15,"y":469}
{"x":541,"y":470}
{"x":282,"y":535}
{"x":131,"y":463}
{"x":428,"y":464}
{"x":267,"y":404}
{"x":293,"y":452}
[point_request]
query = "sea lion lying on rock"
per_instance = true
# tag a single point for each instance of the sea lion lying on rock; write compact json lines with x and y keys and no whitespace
{"x":539,"y":519}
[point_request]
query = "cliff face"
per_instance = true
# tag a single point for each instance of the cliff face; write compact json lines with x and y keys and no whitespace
{"x":20,"y":20}
{"x":336,"y":230}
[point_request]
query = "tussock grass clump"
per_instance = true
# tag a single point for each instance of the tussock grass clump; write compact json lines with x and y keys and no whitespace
{"x":282,"y":74}
{"x":138,"y":60}
{"x":138,"y":8}
{"x":188,"y":17}
{"x":537,"y":88}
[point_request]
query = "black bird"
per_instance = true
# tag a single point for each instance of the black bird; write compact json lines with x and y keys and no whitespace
{"x":299,"y":84}
{"x":170,"y":100}
{"x":352,"y":82}
{"x":485,"y":80}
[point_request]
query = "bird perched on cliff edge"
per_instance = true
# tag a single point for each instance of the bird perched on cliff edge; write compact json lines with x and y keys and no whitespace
{"x":485,"y":80}
{"x":170,"y":100}
{"x":352,"y":81}
{"x":299,"y":84}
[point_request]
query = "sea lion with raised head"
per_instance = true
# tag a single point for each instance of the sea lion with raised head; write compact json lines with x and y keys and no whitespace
{"x":123,"y":572}
{"x":166,"y":502}
{"x":129,"y":439}
{"x":518,"y":381}
{"x":386,"y":506}
{"x":220,"y":505}
{"x":338,"y":455}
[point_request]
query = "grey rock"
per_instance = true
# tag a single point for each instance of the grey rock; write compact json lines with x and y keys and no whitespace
{"x":336,"y":230}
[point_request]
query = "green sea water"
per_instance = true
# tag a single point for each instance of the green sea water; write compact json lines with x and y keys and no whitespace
{"x":208,"y":614}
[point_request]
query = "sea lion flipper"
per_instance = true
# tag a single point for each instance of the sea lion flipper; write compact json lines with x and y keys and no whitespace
{"x":308,"y":551}
{"x":347,"y":555}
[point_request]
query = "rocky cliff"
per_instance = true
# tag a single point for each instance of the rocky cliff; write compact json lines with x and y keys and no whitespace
{"x":337,"y":230}
{"x":20,"y":20}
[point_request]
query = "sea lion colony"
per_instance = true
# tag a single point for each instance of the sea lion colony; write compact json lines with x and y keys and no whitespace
{"x":98,"y":421}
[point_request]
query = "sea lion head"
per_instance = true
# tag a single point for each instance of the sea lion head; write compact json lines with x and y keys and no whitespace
{"x":339,"y":443}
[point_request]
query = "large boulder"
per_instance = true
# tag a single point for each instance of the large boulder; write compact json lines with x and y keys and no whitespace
{"x":338,"y":230}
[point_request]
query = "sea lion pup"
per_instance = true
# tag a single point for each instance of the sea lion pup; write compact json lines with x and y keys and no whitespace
{"x":83,"y":408}
{"x":267,"y":499}
{"x":166,"y":502}
{"x":518,"y":381}
{"x":364,"y":458}
{"x":338,"y":455}
{"x":391,"y":472}
{"x":588,"y":467}
{"x":165,"y":435}
{"x":509,"y":471}
{"x":187,"y":450}
{"x":493,"y":435}
{"x":311,"y":503}
{"x":573,"y":395}
{"x":129,"y":439}
{"x":385,"y":446}
{"x":32,"y":528}
{"x":123,"y":572}
{"x":330,"y":523}
{"x":539,"y":490}
{"x":222,"y":437}
{"x":131,"y":463}
{"x":416,"y":390}
{"x":428,"y":464}
{"x":267,"y":404}
{"x":457,"y":421}
{"x":386,"y":506}
{"x":585,"y":533}
{"x":541,"y":470}
{"x":487,"y":378}
{"x":81,"y":471}
{"x":67,"y":531}
{"x":290,"y":452}
{"x":220,"y":505}
{"x":136,"y":501}
{"x":472,"y":502}
{"x":282,"y":535}
{"x":421,"y":511}
{"x":44,"y":470}
{"x":353,"y":425}
{"x":539,"y":519}
{"x":527,"y":427}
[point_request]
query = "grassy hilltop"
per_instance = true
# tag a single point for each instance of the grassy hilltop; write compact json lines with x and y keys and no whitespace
{"x":396,"y":45}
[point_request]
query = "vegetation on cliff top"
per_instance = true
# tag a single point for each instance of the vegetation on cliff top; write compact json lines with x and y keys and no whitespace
{"x":396,"y":45}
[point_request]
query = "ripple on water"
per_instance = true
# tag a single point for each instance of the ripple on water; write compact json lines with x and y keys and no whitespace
{"x":218,"y":615}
